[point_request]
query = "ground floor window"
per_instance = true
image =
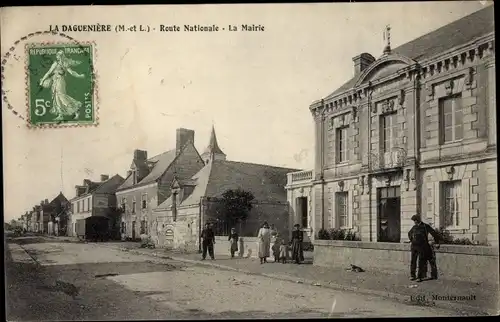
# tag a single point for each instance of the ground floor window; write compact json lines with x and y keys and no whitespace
{"x":341,"y":209}
{"x":451,"y":192}
{"x":143,"y":227}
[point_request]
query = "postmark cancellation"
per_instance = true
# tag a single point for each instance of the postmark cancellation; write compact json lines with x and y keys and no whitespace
{"x":60,"y":84}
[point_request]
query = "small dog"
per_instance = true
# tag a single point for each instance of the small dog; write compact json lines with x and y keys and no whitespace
{"x":356,"y":269}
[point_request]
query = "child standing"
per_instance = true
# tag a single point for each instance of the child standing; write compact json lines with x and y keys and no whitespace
{"x":276,"y":249}
{"x":283,"y":251}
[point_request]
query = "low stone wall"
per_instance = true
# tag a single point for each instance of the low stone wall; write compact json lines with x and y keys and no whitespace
{"x":248,"y":246}
{"x":474,"y":263}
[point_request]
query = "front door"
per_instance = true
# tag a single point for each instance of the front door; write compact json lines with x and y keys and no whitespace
{"x":389,"y":215}
{"x":133,"y":230}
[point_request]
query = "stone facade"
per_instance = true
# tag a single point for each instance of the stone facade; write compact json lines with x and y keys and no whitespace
{"x":183,"y":231}
{"x":387,"y":131}
{"x":181,"y":163}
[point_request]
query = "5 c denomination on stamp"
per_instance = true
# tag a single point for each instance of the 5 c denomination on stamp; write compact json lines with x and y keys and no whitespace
{"x":60,"y":84}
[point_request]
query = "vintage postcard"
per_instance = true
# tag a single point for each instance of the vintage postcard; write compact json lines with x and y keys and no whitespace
{"x":249,"y":161}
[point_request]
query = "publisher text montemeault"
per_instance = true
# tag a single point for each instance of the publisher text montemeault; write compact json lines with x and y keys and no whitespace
{"x":453,"y":298}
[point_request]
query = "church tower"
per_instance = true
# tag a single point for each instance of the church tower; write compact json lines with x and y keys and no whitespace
{"x":213,"y":151}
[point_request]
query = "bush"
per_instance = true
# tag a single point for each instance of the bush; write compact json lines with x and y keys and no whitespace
{"x":448,"y":239}
{"x":338,"y":234}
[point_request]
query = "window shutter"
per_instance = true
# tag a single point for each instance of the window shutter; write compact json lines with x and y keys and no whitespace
{"x":438,"y":214}
{"x":349,"y":210}
{"x":466,"y":205}
{"x":334,"y":210}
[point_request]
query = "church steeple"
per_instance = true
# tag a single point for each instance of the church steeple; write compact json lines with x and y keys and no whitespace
{"x":213,"y":151}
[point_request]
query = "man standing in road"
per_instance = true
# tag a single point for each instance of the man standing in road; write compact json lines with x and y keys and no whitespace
{"x":208,"y":242}
{"x":421,"y":250}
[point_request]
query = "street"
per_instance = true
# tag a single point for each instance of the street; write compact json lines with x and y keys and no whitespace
{"x":55,"y":280}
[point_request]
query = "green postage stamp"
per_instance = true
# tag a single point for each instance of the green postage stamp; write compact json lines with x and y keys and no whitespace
{"x":61,"y":84}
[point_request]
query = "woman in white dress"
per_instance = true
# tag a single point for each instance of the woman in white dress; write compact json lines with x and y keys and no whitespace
{"x":62,"y":103}
{"x":264,"y":237}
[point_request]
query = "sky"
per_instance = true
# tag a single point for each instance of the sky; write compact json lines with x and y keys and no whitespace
{"x":254,"y":87}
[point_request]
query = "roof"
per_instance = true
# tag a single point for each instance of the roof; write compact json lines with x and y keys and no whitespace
{"x":160,"y":164}
{"x":454,"y":34}
{"x":108,"y":186}
{"x":213,"y":146}
{"x":267,"y":183}
{"x":56,"y":201}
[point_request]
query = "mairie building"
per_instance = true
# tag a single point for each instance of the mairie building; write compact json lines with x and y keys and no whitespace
{"x":413,"y":131}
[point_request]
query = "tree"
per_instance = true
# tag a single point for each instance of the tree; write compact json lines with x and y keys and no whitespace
{"x":236,"y":205}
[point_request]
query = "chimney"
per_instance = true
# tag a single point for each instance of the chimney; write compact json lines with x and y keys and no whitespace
{"x":183,"y":137}
{"x":46,"y":201}
{"x":140,"y":155}
{"x":104,"y":177}
{"x":361,"y":62}
{"x":86,"y":182}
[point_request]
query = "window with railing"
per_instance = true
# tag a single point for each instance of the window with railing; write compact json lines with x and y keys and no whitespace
{"x":389,"y":132}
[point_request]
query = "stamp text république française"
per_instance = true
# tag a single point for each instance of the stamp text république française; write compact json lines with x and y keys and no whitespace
{"x":158,"y":28}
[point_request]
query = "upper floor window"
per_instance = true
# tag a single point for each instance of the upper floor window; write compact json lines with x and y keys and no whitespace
{"x":342,"y":148}
{"x":133,"y":206}
{"x":144,"y":203}
{"x":451,"y":191}
{"x":78,"y":206}
{"x":88,"y":204}
{"x":389,"y":132}
{"x":451,"y":118}
{"x":342,"y":210}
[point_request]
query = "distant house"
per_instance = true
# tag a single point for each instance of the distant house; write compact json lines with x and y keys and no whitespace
{"x":95,"y":199}
{"x":148,"y":183}
{"x":48,"y":211}
{"x":197,"y":200}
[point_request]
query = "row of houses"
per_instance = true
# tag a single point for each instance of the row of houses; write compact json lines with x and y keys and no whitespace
{"x":413,"y":131}
{"x":169,"y":197}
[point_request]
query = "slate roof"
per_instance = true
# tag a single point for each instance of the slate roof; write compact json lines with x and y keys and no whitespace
{"x":158,"y":165}
{"x":267,"y":183}
{"x":108,"y":186}
{"x":454,"y":34}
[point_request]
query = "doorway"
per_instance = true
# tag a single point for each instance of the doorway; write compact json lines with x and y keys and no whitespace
{"x":302,"y":212}
{"x":133,"y":230}
{"x":389,"y":215}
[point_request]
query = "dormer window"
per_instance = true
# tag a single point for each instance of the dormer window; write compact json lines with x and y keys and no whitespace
{"x":134,"y":176}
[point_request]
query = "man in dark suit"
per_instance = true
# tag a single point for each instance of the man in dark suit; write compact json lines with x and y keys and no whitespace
{"x":208,"y":241}
{"x":421,"y":251}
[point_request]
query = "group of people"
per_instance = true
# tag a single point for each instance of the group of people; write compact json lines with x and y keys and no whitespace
{"x":269,"y":242}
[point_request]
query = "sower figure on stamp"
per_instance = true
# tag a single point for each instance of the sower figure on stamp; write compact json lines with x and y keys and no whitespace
{"x":62,"y":103}
{"x":208,"y":242}
{"x":421,"y":250}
